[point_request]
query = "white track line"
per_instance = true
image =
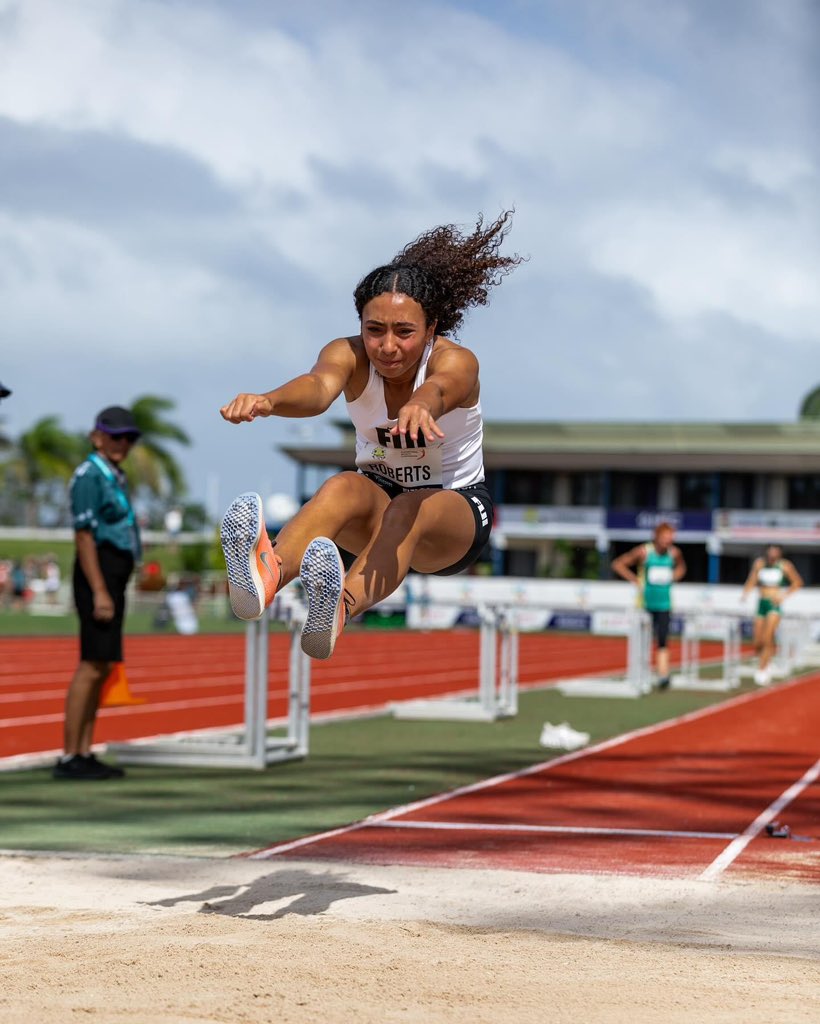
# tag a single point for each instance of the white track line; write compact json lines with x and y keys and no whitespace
{"x":648,"y":730}
{"x":468,"y":826}
{"x":739,"y":844}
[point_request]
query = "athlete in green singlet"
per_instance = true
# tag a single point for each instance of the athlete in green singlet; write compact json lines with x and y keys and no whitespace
{"x":653,"y":568}
{"x":770,"y":574}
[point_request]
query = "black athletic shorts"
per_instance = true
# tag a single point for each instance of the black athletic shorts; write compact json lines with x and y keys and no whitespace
{"x":102,"y":641}
{"x":660,"y":627}
{"x":481,"y":505}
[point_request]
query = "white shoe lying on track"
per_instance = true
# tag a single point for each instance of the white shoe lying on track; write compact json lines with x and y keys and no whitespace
{"x":323,"y":578}
{"x":562,"y":737}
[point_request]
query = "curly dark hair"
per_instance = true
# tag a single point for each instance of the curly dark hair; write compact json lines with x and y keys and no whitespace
{"x":445,"y":271}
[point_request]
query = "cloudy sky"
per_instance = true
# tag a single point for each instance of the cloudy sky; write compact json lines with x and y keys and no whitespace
{"x":190,"y":190}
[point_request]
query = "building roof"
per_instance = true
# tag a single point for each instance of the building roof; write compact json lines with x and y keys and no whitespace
{"x":633,"y":446}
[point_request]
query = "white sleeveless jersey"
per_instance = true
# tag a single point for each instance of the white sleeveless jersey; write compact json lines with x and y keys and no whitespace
{"x":456,"y":460}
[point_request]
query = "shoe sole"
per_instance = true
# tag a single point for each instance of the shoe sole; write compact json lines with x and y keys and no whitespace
{"x":240,"y":532}
{"x":323,"y":575}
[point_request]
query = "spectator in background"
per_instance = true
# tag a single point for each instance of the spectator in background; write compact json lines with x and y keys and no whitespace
{"x":653,"y":568}
{"x":770,"y":574}
{"x":51,"y":578}
{"x":19,"y":585}
{"x":107,"y":548}
{"x":5,"y":583}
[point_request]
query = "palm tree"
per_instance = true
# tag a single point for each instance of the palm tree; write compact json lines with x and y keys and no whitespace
{"x":41,"y":462}
{"x":810,"y":407}
{"x":152,"y":466}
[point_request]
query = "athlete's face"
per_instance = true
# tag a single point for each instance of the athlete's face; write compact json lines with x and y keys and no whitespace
{"x":113,"y":448}
{"x":395,"y":331}
{"x":664,"y":540}
{"x":772,"y":555}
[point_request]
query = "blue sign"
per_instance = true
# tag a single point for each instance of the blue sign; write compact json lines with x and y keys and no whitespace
{"x":648,"y":518}
{"x":573,"y":622}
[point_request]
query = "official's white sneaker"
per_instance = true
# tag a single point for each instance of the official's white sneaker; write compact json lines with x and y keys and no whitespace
{"x":323,"y":577}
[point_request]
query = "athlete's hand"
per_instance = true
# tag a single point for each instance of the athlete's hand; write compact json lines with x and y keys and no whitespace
{"x":103,"y":606}
{"x":415,"y":417}
{"x":245,"y":408}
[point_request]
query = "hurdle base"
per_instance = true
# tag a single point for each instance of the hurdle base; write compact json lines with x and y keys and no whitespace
{"x":449,"y":709}
{"x":213,"y":750}
{"x":720,"y":685}
{"x":810,"y":655}
{"x":603,"y":687}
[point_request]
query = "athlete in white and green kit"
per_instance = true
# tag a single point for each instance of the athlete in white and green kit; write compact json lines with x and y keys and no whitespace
{"x":770,"y":574}
{"x":653,"y":568}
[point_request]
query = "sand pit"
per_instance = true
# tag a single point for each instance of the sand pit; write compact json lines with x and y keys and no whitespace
{"x":175,"y":939}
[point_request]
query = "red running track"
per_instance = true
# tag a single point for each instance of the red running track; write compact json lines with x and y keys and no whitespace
{"x":687,"y":798}
{"x":197,"y":682}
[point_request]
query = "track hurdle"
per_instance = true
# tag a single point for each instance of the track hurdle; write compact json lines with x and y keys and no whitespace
{"x":794,"y":649}
{"x":637,"y":682}
{"x":800,"y":646}
{"x":248,"y":746}
{"x":497,"y":677}
{"x":725,"y":628}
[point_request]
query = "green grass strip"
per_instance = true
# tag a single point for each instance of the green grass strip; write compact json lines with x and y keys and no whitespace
{"x":355,"y":768}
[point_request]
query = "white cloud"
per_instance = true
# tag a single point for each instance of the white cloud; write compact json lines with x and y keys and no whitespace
{"x":697,"y":257}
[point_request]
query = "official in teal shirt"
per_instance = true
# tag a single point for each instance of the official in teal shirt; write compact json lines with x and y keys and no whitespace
{"x":107,"y":547}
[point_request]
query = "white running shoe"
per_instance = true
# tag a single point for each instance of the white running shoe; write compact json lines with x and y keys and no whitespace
{"x":562,"y":737}
{"x":323,"y":578}
{"x":253,"y":568}
{"x":762,"y":677}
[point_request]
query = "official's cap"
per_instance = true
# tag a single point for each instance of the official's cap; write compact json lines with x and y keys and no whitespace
{"x":116,"y":421}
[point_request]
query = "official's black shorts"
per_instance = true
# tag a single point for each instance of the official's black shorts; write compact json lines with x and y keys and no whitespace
{"x":481,"y":505}
{"x":660,"y":627}
{"x":102,"y":641}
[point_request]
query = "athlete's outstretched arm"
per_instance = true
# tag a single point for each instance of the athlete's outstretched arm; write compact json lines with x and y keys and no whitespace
{"x":623,"y":564}
{"x":452,"y":381}
{"x":309,"y":394}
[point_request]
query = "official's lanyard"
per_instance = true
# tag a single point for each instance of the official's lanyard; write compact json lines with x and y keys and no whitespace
{"x":109,"y":474}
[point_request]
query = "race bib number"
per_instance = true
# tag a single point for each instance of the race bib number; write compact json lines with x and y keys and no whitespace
{"x":659,"y":575}
{"x":400,"y":460}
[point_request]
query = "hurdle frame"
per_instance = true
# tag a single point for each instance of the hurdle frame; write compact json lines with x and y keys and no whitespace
{"x":497,"y":695}
{"x":702,"y":626}
{"x":637,"y":682}
{"x":248,"y":745}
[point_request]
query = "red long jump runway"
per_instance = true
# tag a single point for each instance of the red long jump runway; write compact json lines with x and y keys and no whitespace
{"x":193,"y":683}
{"x":687,"y":798}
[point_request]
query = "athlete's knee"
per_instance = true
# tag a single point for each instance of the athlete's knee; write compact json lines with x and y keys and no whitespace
{"x":337,"y":485}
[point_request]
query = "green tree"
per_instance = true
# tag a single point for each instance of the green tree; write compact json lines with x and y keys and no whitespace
{"x":40,"y":462}
{"x":810,"y":407}
{"x":153,"y":468}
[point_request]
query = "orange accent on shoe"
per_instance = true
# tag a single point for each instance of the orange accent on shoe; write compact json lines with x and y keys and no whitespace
{"x":268,"y":565}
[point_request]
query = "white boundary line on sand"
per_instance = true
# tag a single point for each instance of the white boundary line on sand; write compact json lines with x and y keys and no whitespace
{"x":739,"y":843}
{"x":713,"y":709}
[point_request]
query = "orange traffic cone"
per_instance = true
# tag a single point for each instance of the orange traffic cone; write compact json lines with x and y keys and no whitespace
{"x":115,"y":691}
